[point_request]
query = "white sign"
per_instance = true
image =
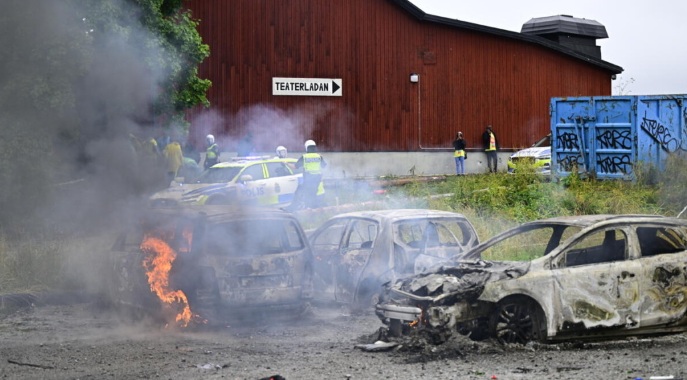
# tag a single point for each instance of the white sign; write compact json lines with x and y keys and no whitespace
{"x":306,"y":87}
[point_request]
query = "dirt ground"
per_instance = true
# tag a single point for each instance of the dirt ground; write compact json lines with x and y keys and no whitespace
{"x":82,"y":342}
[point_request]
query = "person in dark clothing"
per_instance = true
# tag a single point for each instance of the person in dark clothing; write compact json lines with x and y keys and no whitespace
{"x":459,"y":154}
{"x":190,"y":151}
{"x":245,"y":146}
{"x":491,"y":145}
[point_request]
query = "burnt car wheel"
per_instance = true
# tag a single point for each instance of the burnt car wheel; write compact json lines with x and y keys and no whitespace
{"x":516,"y":321}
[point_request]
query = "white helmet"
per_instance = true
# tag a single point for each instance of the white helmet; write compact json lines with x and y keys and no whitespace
{"x":309,"y":143}
{"x":210,"y":139}
{"x":281,"y":149}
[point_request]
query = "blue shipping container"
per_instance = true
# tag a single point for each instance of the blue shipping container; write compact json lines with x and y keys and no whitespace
{"x":607,"y":136}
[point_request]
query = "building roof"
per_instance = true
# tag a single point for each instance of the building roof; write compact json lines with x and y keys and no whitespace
{"x":422,"y":16}
{"x":564,"y":24}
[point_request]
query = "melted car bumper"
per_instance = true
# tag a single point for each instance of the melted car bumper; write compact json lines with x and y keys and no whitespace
{"x":402,"y":313}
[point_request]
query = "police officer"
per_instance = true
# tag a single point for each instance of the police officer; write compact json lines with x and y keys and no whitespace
{"x":281,"y":152}
{"x":312,"y":164}
{"x":211,"y":153}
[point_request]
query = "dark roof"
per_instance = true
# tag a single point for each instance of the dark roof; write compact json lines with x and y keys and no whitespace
{"x":422,"y":16}
{"x":566,"y":25}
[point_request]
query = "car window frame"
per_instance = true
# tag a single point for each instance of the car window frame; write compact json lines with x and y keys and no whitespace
{"x":557,"y":256}
{"x":343,"y":246}
{"x":243,"y":171}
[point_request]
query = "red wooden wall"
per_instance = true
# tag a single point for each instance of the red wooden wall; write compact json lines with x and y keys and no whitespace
{"x":468,"y":79}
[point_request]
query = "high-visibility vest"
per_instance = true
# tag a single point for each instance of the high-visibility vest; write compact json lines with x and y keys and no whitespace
{"x":459,"y":153}
{"x":312,"y":163}
{"x":492,"y":142}
{"x":210,"y":152}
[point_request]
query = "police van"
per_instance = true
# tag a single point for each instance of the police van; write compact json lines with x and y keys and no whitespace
{"x":257,"y":180}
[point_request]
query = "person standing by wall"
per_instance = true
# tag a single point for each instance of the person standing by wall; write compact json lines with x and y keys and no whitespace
{"x":245,"y":146}
{"x":459,"y":154}
{"x":491,"y":145}
{"x":211,"y":153}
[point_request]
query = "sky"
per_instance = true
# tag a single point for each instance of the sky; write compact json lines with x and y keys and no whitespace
{"x":645,"y":37}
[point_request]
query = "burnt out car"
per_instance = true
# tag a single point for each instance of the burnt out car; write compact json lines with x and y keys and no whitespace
{"x":357,"y":252}
{"x":217,"y":263}
{"x":586,"y":277}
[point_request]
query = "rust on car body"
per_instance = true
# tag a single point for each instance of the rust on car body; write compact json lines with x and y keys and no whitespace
{"x":586,"y":277}
{"x":356,"y":252}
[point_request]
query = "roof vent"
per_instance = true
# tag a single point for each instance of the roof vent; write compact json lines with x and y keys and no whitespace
{"x":575,"y":33}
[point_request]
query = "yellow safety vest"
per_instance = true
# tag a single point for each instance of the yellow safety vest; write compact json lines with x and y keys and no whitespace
{"x":312,"y":163}
{"x":492,"y":142}
{"x":459,"y":153}
{"x":210,"y":152}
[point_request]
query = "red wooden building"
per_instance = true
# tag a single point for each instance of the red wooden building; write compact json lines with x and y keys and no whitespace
{"x":469,"y":75}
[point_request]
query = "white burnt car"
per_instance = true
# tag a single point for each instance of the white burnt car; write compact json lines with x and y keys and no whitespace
{"x":598,"y":276}
{"x":246,"y":181}
{"x":357,"y":252}
{"x":224,"y":263}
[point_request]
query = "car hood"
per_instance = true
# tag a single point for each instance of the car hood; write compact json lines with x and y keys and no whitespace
{"x":536,"y":152}
{"x":462,"y":280}
{"x":193,"y":190}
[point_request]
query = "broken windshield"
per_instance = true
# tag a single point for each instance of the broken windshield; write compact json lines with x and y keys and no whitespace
{"x":526,"y":243}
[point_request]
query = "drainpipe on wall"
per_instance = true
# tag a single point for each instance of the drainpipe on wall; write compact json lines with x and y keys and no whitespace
{"x":415,"y":78}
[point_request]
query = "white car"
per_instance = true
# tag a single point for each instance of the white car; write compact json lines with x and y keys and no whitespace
{"x":539,"y":156}
{"x":247,"y":181}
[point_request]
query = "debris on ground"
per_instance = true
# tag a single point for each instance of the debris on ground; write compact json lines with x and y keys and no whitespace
{"x":378,"y":346}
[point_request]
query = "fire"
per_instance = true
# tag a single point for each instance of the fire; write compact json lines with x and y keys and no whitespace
{"x":158,"y":263}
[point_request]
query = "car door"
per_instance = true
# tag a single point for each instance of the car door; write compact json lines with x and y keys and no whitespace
{"x":356,"y":249}
{"x":663,"y":279}
{"x":596,"y":283}
{"x":252,"y":191}
{"x":281,"y":184}
{"x":325,"y":243}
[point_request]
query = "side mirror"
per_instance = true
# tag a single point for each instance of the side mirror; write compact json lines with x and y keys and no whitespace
{"x":245,"y":178}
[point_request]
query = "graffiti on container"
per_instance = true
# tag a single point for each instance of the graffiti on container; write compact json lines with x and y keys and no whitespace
{"x":612,"y":139}
{"x":616,"y":164}
{"x":661,"y":134}
{"x":567,"y":141}
{"x":569,"y":163}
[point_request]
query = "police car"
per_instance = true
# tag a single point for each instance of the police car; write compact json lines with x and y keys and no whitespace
{"x":255,"y":180}
{"x":538,"y":156}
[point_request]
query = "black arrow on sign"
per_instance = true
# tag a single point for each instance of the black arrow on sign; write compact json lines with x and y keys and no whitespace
{"x":335,"y":87}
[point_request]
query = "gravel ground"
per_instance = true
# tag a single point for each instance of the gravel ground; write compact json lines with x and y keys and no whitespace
{"x":80,"y":342}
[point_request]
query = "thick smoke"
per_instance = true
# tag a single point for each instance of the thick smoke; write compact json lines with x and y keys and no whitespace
{"x":73,"y":90}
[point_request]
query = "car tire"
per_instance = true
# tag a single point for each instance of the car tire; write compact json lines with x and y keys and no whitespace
{"x":517,"y":320}
{"x":368,"y":294}
{"x":395,"y":328}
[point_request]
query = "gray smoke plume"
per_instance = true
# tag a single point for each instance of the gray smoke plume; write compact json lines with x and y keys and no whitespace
{"x":73,"y":88}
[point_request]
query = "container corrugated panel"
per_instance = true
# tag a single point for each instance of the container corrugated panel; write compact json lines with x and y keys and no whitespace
{"x":607,"y":137}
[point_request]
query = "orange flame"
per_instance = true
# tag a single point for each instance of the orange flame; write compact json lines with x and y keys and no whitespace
{"x":158,"y":263}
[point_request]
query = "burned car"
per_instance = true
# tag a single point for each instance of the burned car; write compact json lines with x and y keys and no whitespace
{"x":357,"y":252}
{"x":584,"y":277}
{"x":218,"y":263}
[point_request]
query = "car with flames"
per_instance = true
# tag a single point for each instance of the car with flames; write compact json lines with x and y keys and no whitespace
{"x":243,"y":180}
{"x":219,"y":263}
{"x":579,"y":277}
{"x":357,"y":252}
